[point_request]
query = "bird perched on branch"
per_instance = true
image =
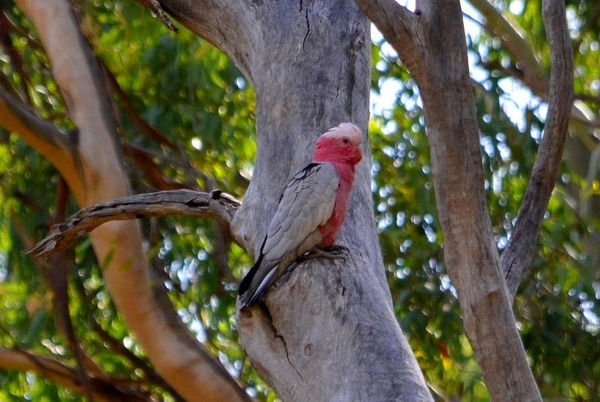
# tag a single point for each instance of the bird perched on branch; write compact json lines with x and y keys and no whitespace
{"x":310,"y":212}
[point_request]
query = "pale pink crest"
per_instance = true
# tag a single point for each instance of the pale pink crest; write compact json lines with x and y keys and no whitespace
{"x":347,"y":130}
{"x":340,"y":144}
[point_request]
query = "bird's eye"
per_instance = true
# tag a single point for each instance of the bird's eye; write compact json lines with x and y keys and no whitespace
{"x":345,"y":140}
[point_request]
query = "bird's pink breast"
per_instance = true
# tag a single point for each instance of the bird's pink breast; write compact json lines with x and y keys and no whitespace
{"x":331,"y":228}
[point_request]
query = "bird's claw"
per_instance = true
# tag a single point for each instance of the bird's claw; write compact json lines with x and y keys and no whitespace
{"x":332,"y":252}
{"x":337,"y":250}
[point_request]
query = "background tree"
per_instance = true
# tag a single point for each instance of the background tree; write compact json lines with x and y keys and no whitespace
{"x":184,"y":117}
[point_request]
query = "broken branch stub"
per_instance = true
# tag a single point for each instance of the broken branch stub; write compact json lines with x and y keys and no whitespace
{"x":215,"y":205}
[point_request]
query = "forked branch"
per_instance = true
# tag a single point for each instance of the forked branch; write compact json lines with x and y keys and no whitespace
{"x":398,"y":25}
{"x":517,"y":255}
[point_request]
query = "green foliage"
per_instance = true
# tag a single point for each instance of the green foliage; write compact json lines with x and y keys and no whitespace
{"x":203,"y":109}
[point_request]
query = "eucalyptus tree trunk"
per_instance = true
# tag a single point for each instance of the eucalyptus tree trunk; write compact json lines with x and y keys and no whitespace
{"x":431,"y":43}
{"x":329,"y":332}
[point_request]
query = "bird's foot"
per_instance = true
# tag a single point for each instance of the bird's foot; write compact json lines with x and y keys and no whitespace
{"x":332,"y":252}
{"x":337,"y":251}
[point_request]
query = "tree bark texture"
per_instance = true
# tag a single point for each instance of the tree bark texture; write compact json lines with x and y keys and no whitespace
{"x":469,"y":248}
{"x":329,"y":332}
{"x":96,"y":175}
{"x":431,"y":43}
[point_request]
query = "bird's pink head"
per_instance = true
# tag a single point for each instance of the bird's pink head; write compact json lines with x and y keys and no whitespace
{"x":340,"y":144}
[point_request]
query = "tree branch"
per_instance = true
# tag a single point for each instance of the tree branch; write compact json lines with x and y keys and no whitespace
{"x":470,"y":253}
{"x":102,"y":389}
{"x":56,"y":278}
{"x":154,"y":5}
{"x":228,"y":24}
{"x":593,"y":168}
{"x":587,"y":25}
{"x":117,"y":347}
{"x":587,"y":97}
{"x":41,"y":135}
{"x":517,"y":255}
{"x":581,"y":142}
{"x":15,"y":58}
{"x":144,"y":160}
{"x":216,"y":205}
{"x":146,"y":128}
{"x":530,"y":71}
{"x":533,"y":75}
{"x":397,"y":24}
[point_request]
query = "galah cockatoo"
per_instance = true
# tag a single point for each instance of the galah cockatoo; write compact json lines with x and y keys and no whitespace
{"x":310,"y":212}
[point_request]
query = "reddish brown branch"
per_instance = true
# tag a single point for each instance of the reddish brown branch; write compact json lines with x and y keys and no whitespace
{"x":588,"y":98}
{"x":103,"y":389}
{"x":15,"y":58}
{"x":147,"y":129}
{"x":143,"y":159}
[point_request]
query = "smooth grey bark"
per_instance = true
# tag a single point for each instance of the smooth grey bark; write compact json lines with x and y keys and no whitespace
{"x":431,"y":43}
{"x":214,"y":205}
{"x":329,"y":333}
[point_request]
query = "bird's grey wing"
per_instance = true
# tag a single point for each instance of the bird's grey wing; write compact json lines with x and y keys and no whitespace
{"x":307,"y":202}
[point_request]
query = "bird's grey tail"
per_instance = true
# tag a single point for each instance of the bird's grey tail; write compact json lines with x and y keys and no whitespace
{"x":255,"y":283}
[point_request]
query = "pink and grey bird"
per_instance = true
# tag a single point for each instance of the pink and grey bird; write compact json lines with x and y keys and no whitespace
{"x":310,"y":212}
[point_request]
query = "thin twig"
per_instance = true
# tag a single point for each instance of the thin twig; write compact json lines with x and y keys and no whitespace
{"x":155,"y":6}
